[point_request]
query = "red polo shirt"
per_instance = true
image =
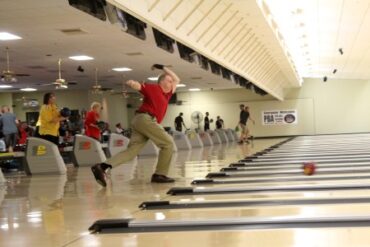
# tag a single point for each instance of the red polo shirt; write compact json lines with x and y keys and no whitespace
{"x":91,"y":118}
{"x":155,"y":100}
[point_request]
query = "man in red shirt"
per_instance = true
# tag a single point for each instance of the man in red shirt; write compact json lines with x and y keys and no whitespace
{"x":146,"y":125}
{"x":92,"y":117}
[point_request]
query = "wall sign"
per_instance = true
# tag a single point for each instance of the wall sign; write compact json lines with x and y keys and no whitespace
{"x":279,"y":117}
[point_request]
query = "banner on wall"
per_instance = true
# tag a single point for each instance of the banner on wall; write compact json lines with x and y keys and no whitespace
{"x":279,"y":117}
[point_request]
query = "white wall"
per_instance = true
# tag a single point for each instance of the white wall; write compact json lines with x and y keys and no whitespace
{"x":337,"y":106}
{"x":73,"y":99}
{"x":6,"y":99}
{"x":340,"y":106}
{"x":226,"y":105}
{"x":114,"y":106}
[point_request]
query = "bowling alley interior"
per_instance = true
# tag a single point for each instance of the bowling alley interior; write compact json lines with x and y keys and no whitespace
{"x":184,"y":123}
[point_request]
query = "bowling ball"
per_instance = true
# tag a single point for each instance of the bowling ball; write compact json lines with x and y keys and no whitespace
{"x":101,"y":124}
{"x":65,"y":112}
{"x":309,"y":168}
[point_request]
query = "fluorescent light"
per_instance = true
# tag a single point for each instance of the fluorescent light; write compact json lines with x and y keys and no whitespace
{"x":194,"y":89}
{"x":6,"y":86}
{"x":8,"y":36}
{"x":81,"y":58}
{"x":153,"y":78}
{"x":181,"y":85}
{"x":123,"y":69}
{"x":28,"y":89}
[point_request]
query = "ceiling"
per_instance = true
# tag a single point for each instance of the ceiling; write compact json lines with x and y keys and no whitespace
{"x":315,"y":31}
{"x":291,"y":39}
{"x":233,"y":33}
{"x":39,"y":23}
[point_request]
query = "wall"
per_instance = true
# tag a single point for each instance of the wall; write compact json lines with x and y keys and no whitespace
{"x":73,"y":99}
{"x":114,"y":106}
{"x":340,"y":106}
{"x":226,"y":104}
{"x":6,"y":99}
{"x":337,"y":106}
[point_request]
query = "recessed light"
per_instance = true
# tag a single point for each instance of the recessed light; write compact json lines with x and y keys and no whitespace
{"x":122,"y":69}
{"x":194,"y":89}
{"x":81,"y":58}
{"x":8,"y":36}
{"x":28,"y":89}
{"x":6,"y":86}
{"x":153,"y":78}
{"x":180,"y":85}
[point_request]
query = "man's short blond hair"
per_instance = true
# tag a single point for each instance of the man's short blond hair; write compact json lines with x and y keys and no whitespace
{"x":95,"y":105}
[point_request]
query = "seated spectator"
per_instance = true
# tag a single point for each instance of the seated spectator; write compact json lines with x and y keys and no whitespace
{"x":119,"y":129}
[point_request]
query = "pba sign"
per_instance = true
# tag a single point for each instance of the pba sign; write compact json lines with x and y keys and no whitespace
{"x":279,"y":117}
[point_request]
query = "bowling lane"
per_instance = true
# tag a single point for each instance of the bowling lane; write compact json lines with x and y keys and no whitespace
{"x":285,"y":179}
{"x":272,"y":168}
{"x":255,"y":212}
{"x":318,"y":237}
{"x":271,"y":196}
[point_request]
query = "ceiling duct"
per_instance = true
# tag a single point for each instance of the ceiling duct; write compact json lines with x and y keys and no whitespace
{"x":163,"y":41}
{"x":94,"y":8}
{"x":215,"y":67}
{"x":185,"y":52}
{"x":125,"y":21}
{"x":226,"y":74}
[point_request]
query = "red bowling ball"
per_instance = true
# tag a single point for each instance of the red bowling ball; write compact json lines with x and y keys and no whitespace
{"x":309,"y":168}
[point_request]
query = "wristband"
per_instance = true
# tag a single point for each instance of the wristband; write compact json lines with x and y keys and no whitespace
{"x":158,"y":66}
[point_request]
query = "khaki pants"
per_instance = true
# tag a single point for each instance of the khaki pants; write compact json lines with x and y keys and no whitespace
{"x":145,"y":127}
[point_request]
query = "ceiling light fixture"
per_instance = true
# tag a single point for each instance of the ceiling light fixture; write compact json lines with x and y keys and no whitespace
{"x":153,"y":78}
{"x":6,"y":86}
{"x":8,"y":36}
{"x":121,"y":69}
{"x":28,"y":89}
{"x":194,"y":89}
{"x":180,"y":85}
{"x":81,"y":58}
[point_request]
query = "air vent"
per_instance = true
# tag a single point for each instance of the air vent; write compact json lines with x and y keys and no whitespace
{"x":195,"y":78}
{"x":134,"y":54}
{"x":36,"y":67}
{"x":73,"y":31}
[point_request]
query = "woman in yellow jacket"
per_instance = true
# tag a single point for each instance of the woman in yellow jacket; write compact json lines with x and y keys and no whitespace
{"x":49,"y":119}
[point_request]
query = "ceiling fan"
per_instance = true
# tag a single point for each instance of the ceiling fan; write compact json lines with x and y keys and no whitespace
{"x":60,"y":83}
{"x":96,"y":88}
{"x":124,"y":93}
{"x":8,"y":75}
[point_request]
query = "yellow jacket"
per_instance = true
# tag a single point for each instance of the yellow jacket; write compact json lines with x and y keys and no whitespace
{"x":47,"y":120}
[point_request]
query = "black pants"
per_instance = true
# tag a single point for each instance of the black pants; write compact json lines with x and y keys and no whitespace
{"x":179,"y":128}
{"x":53,"y":139}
